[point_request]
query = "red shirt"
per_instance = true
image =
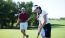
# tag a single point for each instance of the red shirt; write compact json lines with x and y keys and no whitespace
{"x":23,"y":17}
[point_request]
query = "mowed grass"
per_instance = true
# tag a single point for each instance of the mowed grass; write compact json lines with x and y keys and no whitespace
{"x":58,"y":31}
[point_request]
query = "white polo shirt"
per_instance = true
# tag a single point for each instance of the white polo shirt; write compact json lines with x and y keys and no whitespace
{"x":41,"y":17}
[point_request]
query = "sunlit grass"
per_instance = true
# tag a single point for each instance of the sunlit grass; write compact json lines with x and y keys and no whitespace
{"x":57,"y":32}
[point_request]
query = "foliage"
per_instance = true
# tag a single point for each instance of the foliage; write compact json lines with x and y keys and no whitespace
{"x":8,"y":9}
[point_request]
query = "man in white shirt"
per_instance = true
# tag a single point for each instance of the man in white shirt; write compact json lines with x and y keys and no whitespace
{"x":44,"y":24}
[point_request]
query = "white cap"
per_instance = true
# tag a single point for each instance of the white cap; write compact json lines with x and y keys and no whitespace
{"x":23,"y":9}
{"x":34,"y":7}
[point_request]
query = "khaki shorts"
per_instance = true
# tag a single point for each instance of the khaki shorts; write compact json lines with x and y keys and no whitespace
{"x":23,"y":25}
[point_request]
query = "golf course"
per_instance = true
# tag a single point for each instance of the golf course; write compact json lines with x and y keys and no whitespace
{"x":15,"y":15}
{"x":58,"y":31}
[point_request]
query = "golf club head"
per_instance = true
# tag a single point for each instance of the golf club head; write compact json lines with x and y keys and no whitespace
{"x":27,"y":36}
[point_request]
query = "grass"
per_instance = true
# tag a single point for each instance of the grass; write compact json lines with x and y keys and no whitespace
{"x":58,"y":31}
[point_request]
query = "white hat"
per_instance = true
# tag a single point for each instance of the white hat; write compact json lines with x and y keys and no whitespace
{"x":34,"y":7}
{"x":23,"y":9}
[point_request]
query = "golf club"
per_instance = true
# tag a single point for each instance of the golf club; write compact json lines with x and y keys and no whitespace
{"x":37,"y":36}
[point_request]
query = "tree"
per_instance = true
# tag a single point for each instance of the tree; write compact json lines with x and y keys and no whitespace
{"x":7,"y":11}
{"x":9,"y":8}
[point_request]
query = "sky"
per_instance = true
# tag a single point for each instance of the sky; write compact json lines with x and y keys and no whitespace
{"x":54,"y":8}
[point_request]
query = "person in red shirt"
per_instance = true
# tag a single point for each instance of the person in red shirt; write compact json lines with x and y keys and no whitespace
{"x":23,"y":19}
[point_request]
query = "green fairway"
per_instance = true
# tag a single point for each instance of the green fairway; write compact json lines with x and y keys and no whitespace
{"x":9,"y":33}
{"x":58,"y":31}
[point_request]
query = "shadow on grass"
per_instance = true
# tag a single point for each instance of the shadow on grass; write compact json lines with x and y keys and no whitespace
{"x":52,"y":26}
{"x":36,"y":27}
{"x":57,"y":26}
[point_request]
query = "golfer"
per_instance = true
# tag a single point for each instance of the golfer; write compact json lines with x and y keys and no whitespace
{"x":23,"y":19}
{"x":44,"y":24}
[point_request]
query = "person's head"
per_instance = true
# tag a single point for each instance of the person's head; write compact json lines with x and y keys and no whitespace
{"x":37,"y":9}
{"x":23,"y":10}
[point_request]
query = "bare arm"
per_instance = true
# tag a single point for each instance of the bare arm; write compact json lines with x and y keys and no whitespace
{"x":28,"y":19}
{"x":44,"y":20}
{"x":42,"y":25}
{"x":37,"y":16}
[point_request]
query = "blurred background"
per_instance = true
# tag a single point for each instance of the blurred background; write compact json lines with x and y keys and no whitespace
{"x":9,"y":10}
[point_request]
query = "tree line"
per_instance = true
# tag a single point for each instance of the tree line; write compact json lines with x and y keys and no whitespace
{"x":8,"y":9}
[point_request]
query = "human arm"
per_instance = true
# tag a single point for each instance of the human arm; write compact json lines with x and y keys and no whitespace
{"x":41,"y":25}
{"x":28,"y":19}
